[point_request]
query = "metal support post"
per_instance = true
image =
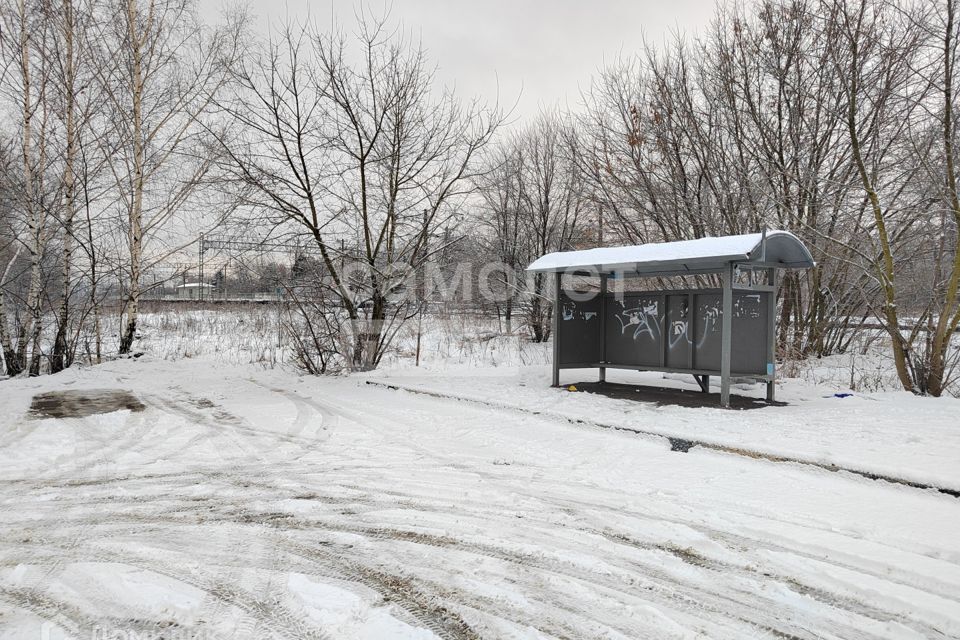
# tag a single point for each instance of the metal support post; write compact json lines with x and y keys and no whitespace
{"x":726,"y":335}
{"x":603,"y":320}
{"x":200,"y":269}
{"x":772,"y":335}
{"x":556,"y":329}
{"x":703,"y":381}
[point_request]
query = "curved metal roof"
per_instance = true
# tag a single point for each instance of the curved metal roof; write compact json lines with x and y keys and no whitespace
{"x":779,"y":249}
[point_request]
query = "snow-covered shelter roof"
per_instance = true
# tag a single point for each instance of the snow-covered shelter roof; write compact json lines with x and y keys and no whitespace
{"x":779,"y":249}
{"x":191,"y":285}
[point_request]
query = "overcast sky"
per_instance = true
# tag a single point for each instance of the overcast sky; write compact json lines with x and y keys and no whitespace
{"x":537,"y":53}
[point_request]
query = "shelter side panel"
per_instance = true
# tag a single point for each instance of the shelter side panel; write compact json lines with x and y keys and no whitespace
{"x":750,"y":332}
{"x":708,"y":330}
{"x":579,"y":328}
{"x":634,"y":329}
{"x":679,"y":332}
{"x":749,"y":337}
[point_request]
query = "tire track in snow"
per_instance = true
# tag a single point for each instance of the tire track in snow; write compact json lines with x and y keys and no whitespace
{"x":24,"y":427}
{"x":279,"y":520}
{"x":676,"y":443}
{"x":739,"y":543}
{"x":104,"y":450}
{"x":269,"y":615}
{"x":49,"y":609}
{"x":489,"y":551}
{"x":425,"y":607}
{"x":834,"y":600}
{"x":655,"y":584}
{"x":396,"y":588}
{"x":241,"y":493}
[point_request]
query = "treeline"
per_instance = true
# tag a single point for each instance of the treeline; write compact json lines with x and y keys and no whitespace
{"x":105,"y":161}
{"x":129,"y":127}
{"x":835,"y":120}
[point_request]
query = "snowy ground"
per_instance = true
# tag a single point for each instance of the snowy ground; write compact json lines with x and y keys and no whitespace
{"x":892,"y":434}
{"x":243,"y":502}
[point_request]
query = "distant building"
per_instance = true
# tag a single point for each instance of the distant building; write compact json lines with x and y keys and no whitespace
{"x":195,"y":291}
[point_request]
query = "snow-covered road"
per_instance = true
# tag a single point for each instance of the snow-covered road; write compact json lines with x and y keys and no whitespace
{"x":247,"y":503}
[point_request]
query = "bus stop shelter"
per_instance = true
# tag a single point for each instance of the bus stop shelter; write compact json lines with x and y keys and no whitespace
{"x":728,"y":332}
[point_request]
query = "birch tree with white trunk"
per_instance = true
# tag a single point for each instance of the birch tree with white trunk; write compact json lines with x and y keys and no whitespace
{"x":24,"y":40}
{"x":160,"y":73}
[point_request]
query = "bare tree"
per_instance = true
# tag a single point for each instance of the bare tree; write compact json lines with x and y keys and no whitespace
{"x":874,"y":53}
{"x":65,"y":53}
{"x":772,"y":78}
{"x":10,"y":250}
{"x":552,"y":200}
{"x":362,"y":155}
{"x":24,"y":40}
{"x":500,"y":222}
{"x":816,"y":116}
{"x":933,"y":355}
{"x":534,"y":200}
{"x":161,"y":70}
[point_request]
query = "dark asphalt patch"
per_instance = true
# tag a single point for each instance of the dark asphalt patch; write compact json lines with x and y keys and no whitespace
{"x":666,"y":397}
{"x":83,"y":403}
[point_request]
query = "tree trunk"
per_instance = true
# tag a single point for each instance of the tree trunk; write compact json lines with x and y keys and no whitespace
{"x":886,"y":271}
{"x":536,"y":310}
{"x":35,"y":349}
{"x":508,"y":315}
{"x":950,"y":313}
{"x":31,"y":328}
{"x":61,"y":349}
{"x":97,"y":330}
{"x":374,"y":328}
{"x":132,"y":308}
{"x":13,"y":364}
{"x":31,"y":325}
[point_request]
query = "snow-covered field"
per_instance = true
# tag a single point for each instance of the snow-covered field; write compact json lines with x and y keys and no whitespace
{"x":248,"y":502}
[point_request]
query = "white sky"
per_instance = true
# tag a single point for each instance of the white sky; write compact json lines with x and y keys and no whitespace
{"x":537,"y":53}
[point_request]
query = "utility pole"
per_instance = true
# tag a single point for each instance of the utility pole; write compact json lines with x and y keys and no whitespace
{"x":200,"y":270}
{"x":422,"y":296}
